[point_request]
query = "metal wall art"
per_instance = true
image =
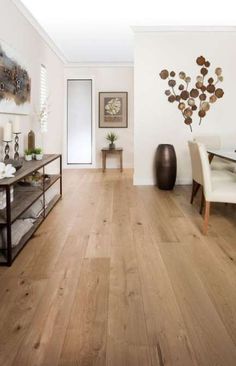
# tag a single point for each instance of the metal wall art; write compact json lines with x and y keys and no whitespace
{"x":198,"y":98}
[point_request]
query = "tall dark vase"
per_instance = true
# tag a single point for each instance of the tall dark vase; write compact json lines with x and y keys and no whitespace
{"x":165,"y":166}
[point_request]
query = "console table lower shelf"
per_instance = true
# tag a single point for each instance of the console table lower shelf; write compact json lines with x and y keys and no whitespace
{"x":30,"y":206}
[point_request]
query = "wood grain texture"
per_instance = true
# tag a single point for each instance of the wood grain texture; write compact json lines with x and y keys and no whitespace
{"x":119,"y":275}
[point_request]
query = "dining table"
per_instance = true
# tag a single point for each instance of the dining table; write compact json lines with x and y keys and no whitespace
{"x":229,"y":154}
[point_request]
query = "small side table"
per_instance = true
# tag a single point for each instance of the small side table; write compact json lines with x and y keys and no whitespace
{"x":106,"y":151}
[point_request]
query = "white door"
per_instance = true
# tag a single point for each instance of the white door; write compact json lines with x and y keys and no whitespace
{"x":79,"y":121}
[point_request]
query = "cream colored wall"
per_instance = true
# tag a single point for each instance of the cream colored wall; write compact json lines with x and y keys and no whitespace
{"x":19,"y":34}
{"x":107,"y":78}
{"x":158,"y":121}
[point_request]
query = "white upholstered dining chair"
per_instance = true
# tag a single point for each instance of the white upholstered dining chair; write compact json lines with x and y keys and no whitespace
{"x":214,"y":190}
{"x":197,"y":177}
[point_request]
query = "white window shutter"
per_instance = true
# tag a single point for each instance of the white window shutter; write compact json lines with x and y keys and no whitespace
{"x":44,"y":99}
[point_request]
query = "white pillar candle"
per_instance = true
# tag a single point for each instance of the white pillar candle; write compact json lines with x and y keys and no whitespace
{"x":7,"y":133}
{"x":16,"y":125}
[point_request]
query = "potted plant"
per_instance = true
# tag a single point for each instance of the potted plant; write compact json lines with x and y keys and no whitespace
{"x":38,"y":153}
{"x":111,"y":137}
{"x":28,"y":155}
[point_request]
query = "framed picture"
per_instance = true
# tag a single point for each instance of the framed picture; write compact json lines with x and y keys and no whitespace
{"x":113,"y":109}
{"x":15,"y":82}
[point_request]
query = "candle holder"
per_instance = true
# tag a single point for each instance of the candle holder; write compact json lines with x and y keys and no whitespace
{"x":7,"y":149}
{"x":16,"y":146}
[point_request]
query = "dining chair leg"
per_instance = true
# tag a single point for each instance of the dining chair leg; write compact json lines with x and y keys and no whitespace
{"x":192,"y":194}
{"x":195,"y":188}
{"x":206,"y":218}
{"x":202,"y":202}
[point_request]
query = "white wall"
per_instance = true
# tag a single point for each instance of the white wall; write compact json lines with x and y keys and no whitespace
{"x":19,"y":34}
{"x":107,"y":78}
{"x":158,"y":121}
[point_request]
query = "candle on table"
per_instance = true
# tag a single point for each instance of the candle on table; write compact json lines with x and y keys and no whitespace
{"x":16,"y":125}
{"x":7,"y":132}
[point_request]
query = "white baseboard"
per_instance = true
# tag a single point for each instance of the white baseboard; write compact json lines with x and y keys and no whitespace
{"x":142,"y":182}
{"x":183,"y":181}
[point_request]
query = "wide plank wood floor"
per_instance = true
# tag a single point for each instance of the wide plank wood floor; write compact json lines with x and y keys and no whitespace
{"x":122,"y":276}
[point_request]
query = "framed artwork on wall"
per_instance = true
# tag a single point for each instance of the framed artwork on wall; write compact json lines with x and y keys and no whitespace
{"x":113,"y":109}
{"x":15,"y":82}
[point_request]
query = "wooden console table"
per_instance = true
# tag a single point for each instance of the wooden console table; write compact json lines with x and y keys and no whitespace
{"x":106,"y":151}
{"x":24,"y":198}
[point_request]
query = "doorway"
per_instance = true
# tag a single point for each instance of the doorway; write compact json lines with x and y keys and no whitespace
{"x":79,"y":121}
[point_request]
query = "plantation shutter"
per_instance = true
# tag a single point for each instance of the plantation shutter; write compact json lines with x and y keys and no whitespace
{"x":44,"y":97}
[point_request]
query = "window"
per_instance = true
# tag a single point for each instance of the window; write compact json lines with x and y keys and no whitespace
{"x":43,"y":99}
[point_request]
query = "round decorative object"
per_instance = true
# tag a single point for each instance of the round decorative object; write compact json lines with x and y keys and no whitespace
{"x":181,"y":87}
{"x":166,"y":166}
{"x":194,"y":93}
{"x":203,"y":88}
{"x":199,"y":84}
{"x":164,"y":74}
{"x":172,"y":74}
{"x":182,"y":75}
{"x":218,"y":71}
{"x":171,"y":83}
{"x":203,"y":71}
{"x":213,"y":98}
{"x":184,"y":94}
{"x":177,"y":97}
{"x":191,"y":102}
{"x":201,"y":113}
{"x":211,"y":81}
{"x":167,"y":92}
{"x":200,"y":78}
{"x":188,"y":79}
{"x":219,"y":93}
{"x":201,"y":60}
{"x":188,"y":112}
{"x":188,"y":121}
{"x":220,"y":78}
{"x":207,"y":64}
{"x":171,"y":98}
{"x":211,"y":88}
{"x":181,"y":106}
{"x":194,"y":107}
{"x":205,"y":106}
{"x":202,"y":96}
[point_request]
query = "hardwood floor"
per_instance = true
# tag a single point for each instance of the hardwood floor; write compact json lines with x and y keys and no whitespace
{"x":122,"y":276}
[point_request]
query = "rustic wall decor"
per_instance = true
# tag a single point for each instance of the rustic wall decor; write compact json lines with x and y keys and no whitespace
{"x":200,"y":97}
{"x":113,"y":109}
{"x":15,"y":83}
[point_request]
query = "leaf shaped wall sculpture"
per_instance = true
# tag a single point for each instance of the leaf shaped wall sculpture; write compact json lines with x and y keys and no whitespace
{"x":200,"y":97}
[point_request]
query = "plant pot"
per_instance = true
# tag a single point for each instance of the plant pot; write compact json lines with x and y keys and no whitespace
{"x":38,"y":156}
{"x":165,"y":166}
{"x":112,"y":146}
{"x":28,"y":157}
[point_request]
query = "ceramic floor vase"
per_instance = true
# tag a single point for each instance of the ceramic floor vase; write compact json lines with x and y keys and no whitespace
{"x":166,"y":166}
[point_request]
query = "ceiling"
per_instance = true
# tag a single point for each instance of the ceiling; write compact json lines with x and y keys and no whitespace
{"x":97,"y":31}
